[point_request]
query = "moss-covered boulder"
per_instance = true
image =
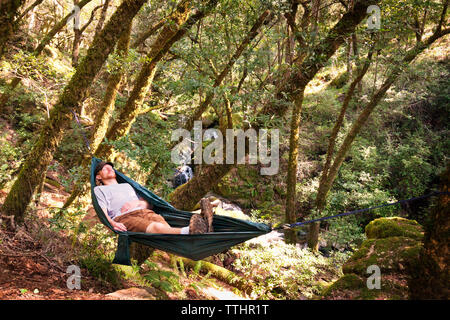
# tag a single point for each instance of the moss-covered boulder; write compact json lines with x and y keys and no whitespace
{"x":354,"y":287}
{"x":393,"y":227}
{"x":393,"y":244}
{"x":245,"y":186}
{"x":391,"y":255}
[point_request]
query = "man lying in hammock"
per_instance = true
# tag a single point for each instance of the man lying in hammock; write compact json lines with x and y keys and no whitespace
{"x":126,"y":211}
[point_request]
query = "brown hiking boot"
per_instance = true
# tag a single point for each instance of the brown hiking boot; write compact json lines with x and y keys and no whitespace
{"x":197,"y":225}
{"x":207,"y":213}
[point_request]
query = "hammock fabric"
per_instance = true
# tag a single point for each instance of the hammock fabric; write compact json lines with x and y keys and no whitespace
{"x":227,"y":231}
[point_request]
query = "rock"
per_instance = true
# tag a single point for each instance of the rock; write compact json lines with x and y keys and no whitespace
{"x":394,"y":226}
{"x":394,"y":245}
{"x":136,"y":294}
{"x":353,"y":287}
{"x":389,"y":254}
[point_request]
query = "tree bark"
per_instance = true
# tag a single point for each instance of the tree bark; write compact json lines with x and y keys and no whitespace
{"x":104,"y":114}
{"x":8,"y":12}
{"x":102,"y":18}
{"x":220,"y":273}
{"x":175,"y":27}
{"x":431,"y":275}
{"x":186,"y":196}
{"x":291,"y":217}
{"x":76,"y":91}
{"x":57,"y":28}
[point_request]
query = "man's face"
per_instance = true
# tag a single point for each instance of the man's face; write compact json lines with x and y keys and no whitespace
{"x":107,"y":172}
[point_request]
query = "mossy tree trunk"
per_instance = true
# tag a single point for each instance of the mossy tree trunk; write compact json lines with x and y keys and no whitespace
{"x":102,"y":18}
{"x":291,"y":217}
{"x":307,"y":70}
{"x":8,"y":12}
{"x":186,"y":196}
{"x":430,"y":278}
{"x":175,"y":28}
{"x":76,"y":91}
{"x":103,"y":114}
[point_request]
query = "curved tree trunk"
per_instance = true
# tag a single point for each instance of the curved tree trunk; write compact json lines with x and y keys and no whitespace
{"x":327,"y":182}
{"x":76,"y":91}
{"x":175,"y":28}
{"x":291,"y":217}
{"x":102,"y":18}
{"x":104,"y":114}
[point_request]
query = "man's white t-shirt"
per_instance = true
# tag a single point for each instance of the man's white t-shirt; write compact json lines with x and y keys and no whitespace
{"x":112,"y":197}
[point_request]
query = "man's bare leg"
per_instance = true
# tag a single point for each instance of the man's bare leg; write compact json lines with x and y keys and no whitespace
{"x":158,"y":227}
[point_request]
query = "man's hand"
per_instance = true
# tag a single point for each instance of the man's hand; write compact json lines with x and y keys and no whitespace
{"x":134,"y":204}
{"x":119,"y":226}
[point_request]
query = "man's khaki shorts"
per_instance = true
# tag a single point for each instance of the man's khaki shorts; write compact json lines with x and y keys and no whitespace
{"x":139,"y":220}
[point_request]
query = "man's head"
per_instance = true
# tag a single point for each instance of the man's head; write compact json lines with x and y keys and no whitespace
{"x":104,"y":171}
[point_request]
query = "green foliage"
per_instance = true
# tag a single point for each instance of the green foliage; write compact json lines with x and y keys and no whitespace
{"x":10,"y":160}
{"x":409,"y":167}
{"x":282,"y":271}
{"x":147,"y":144}
{"x":161,"y":279}
{"x":94,"y":246}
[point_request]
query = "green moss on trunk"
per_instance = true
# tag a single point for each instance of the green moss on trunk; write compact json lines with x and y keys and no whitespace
{"x":76,"y":91}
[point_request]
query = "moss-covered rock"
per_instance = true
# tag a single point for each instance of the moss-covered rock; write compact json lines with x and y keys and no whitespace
{"x":354,"y":287}
{"x":393,"y":227}
{"x":391,"y":255}
{"x":394,"y":245}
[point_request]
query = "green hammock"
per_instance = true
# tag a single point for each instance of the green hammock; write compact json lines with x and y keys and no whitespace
{"x":227,"y":231}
